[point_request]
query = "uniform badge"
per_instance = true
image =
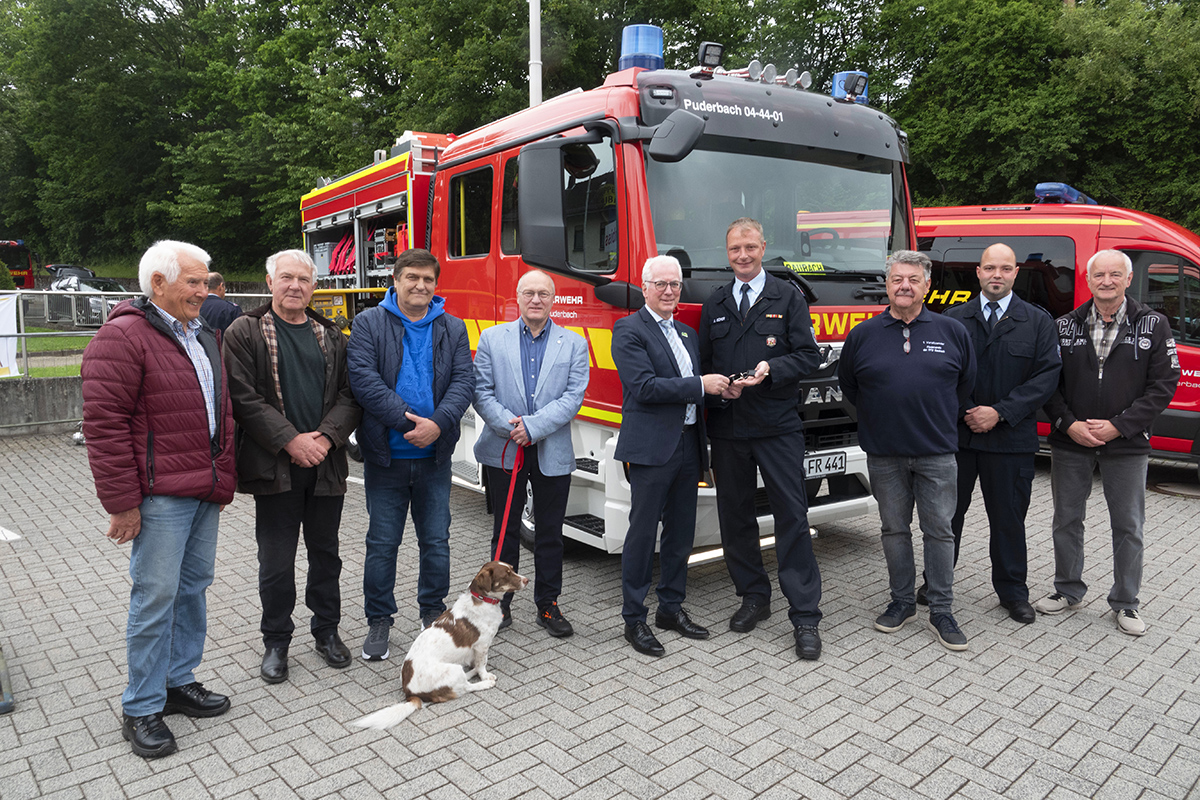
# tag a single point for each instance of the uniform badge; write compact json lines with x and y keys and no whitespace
{"x":771,"y":341}
{"x":1144,"y":343}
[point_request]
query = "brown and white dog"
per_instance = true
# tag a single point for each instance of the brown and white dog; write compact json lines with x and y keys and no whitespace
{"x":454,"y":649}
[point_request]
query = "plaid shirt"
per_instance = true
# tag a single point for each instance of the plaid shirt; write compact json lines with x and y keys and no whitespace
{"x":186,"y":335}
{"x":1104,"y":334}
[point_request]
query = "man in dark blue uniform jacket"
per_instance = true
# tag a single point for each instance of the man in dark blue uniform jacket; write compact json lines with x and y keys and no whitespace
{"x":1016,"y":350}
{"x":759,"y":324}
{"x":663,"y":439}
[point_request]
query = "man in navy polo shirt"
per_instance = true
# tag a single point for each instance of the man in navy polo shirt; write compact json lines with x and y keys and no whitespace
{"x":908,"y":371}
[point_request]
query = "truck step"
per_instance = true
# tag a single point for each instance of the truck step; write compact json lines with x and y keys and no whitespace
{"x":588,"y":523}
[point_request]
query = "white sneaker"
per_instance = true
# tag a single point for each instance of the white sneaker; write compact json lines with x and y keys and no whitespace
{"x":1055,"y":604}
{"x":1129,"y":622}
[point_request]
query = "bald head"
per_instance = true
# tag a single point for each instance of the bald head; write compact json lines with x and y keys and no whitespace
{"x":535,"y":299}
{"x":997,"y":271}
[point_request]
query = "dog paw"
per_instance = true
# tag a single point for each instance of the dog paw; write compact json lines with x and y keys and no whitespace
{"x":487,"y":683}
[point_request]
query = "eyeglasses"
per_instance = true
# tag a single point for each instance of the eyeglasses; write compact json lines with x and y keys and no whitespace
{"x":543,"y":295}
{"x":907,"y":345}
{"x":662,"y":286}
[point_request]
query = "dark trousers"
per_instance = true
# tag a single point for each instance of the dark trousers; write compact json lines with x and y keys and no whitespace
{"x":1006,"y":480}
{"x":666,"y":493}
{"x":781,"y":459}
{"x":278,"y":519}
{"x":549,"y":505}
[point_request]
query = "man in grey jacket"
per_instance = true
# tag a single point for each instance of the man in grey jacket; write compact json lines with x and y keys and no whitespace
{"x":292,"y":402}
{"x":530,"y":376}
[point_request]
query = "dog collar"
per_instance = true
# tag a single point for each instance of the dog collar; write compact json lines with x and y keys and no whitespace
{"x":485,"y":598}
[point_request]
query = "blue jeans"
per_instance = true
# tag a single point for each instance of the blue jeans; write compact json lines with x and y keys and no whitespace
{"x":389,"y":491}
{"x":932,"y":482}
{"x":171,"y":564}
{"x":1123,"y":477}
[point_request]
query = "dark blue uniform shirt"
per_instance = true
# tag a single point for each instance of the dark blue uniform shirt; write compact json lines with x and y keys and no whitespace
{"x":908,"y":403}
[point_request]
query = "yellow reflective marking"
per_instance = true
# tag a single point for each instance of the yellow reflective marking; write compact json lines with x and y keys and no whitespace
{"x":583,"y":333}
{"x":353,"y":176}
{"x":1029,"y":221}
{"x":472,"y":333}
{"x":600,"y":414}
{"x":602,"y":347}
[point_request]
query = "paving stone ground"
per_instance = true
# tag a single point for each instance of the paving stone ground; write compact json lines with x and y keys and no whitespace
{"x":1065,"y":708}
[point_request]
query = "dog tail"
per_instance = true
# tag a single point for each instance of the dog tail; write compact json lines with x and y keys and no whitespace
{"x":392,"y":715}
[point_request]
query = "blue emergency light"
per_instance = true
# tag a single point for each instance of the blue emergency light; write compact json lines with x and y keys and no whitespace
{"x":850,"y":85}
{"x":641,"y":46}
{"x":1060,"y":193}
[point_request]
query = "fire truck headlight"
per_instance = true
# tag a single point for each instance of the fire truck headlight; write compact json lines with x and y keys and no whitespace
{"x":769,"y":72}
{"x":710,"y":54}
{"x":805,"y":79}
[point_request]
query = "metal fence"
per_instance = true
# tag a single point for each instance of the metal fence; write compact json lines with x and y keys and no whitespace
{"x":77,"y":314}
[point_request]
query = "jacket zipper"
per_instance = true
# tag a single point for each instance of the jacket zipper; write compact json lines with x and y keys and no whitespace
{"x":150,"y":460}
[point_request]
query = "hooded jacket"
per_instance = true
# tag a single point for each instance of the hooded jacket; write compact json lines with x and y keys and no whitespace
{"x":1139,"y":378}
{"x":376,"y":354}
{"x":144,"y":416}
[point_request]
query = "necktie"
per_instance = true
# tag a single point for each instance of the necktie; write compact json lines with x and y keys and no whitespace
{"x":994,"y":316}
{"x":682,"y":360}
{"x":744,"y":306}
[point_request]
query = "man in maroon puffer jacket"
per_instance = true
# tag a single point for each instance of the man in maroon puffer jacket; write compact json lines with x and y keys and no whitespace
{"x":159,"y":428}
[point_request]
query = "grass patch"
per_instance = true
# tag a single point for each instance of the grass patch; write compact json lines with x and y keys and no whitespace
{"x":52,"y":343}
{"x":68,"y":371}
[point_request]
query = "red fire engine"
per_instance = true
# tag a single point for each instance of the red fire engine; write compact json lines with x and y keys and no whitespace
{"x":1053,"y":239}
{"x":19,"y":260}
{"x":589,"y":185}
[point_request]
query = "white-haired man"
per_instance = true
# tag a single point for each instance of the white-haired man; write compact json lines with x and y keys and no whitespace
{"x":530,"y":377}
{"x":663,"y":440}
{"x":159,"y":427}
{"x":1119,"y":370}
{"x":293,"y":405}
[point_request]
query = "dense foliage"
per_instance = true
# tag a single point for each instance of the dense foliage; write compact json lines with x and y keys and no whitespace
{"x":122,"y":121}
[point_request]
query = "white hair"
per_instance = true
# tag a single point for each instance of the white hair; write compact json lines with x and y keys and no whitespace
{"x":296,"y":255}
{"x":536,"y":273}
{"x":1124,"y":257}
{"x":660,"y":261}
{"x":163,"y":258}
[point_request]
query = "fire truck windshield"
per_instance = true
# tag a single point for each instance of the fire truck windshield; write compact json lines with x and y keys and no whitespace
{"x":822,"y":211}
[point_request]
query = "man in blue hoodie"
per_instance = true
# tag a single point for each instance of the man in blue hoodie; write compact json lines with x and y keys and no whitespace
{"x":411,"y":371}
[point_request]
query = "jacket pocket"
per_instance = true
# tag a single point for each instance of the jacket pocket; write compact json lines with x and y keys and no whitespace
{"x":769,"y":327}
{"x":1020,"y":349}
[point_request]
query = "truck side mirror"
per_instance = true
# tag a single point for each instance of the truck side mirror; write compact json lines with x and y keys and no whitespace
{"x":676,"y":136}
{"x":540,"y":223}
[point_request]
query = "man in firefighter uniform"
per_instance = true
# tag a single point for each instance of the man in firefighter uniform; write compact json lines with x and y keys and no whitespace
{"x":759,"y":324}
{"x":1017,"y":366}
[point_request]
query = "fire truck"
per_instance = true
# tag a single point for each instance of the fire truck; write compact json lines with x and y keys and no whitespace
{"x":589,"y":185}
{"x":19,"y":260}
{"x":1053,"y":238}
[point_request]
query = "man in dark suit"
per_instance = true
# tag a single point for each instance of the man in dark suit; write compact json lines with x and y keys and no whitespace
{"x":663,"y":440}
{"x":1016,"y":350}
{"x":761,"y":325}
{"x":216,"y":310}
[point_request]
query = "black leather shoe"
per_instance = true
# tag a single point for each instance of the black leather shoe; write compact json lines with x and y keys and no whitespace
{"x":195,"y":701}
{"x":1021,"y":611}
{"x":149,"y":736}
{"x":679,"y":621}
{"x":642,"y":639}
{"x":808,"y":642}
{"x":750,"y":614}
{"x":334,"y":651}
{"x":274,"y":665}
{"x":922,"y":598}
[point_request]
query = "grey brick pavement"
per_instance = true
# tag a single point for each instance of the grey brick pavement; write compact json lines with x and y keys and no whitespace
{"x":1065,"y":708}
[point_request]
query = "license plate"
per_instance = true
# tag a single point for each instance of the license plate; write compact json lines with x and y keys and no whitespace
{"x":823,"y":464}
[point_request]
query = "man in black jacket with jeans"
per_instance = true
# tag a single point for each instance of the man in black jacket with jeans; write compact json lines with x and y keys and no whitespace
{"x":1016,"y":353}
{"x":1119,"y":373}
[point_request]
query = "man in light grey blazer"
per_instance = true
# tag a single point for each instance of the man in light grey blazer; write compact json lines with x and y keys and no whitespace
{"x":530,"y":376}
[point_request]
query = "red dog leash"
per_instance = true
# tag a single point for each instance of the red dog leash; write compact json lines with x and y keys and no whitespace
{"x":518,"y":462}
